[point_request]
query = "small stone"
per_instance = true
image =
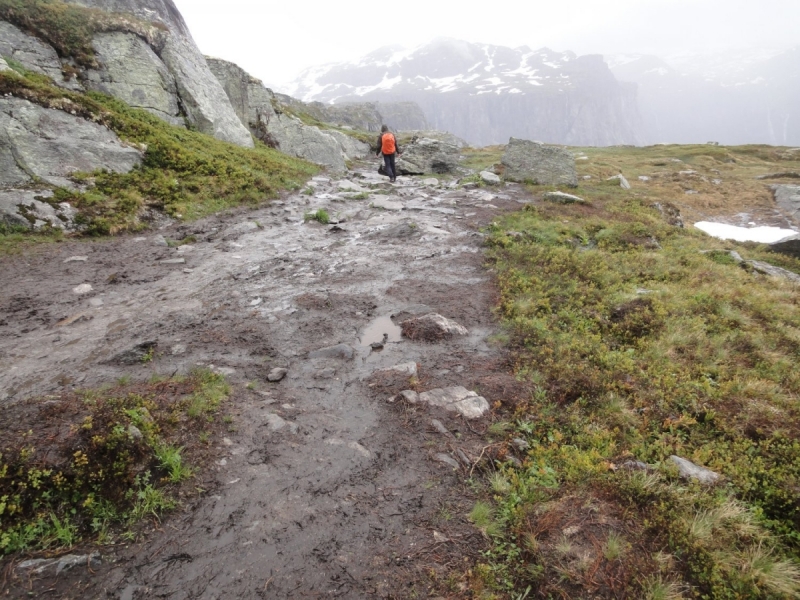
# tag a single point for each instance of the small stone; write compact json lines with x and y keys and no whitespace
{"x":440,"y":538}
{"x":458,"y":399}
{"x":387,"y":204}
{"x":96,"y":302}
{"x":490,"y":178}
{"x":173,"y":261}
{"x":562,"y":198}
{"x":134,"y":432}
{"x":431,"y":327}
{"x":160,"y":240}
{"x":328,"y":373}
{"x":689,"y":470}
{"x":520,"y":444}
{"x":644,"y":178}
{"x":227,"y":441}
{"x":376,"y":345}
{"x":77,"y":259}
{"x":276,"y":423}
{"x":409,"y":396}
{"x":623,"y":183}
{"x":634,"y":465}
{"x":430,"y":181}
{"x":409,"y":368}
{"x":437,"y":425}
{"x":463,"y":458}
{"x":188,"y":271}
{"x":256,"y":302}
{"x":178,"y":349}
{"x":277,"y":374}
{"x":446,"y":459}
{"x":84,"y":288}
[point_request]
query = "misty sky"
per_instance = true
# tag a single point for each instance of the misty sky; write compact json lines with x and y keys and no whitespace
{"x":276,"y":40}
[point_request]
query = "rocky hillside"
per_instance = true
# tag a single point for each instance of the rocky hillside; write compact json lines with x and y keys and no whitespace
{"x":487,"y":94}
{"x":731,"y":100}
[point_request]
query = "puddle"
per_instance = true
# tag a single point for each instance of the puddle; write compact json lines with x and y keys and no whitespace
{"x":764,"y":235}
{"x":380,"y":327}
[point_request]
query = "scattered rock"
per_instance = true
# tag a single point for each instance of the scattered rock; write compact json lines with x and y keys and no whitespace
{"x":386,"y":204}
{"x":562,"y":198}
{"x":83,"y":288}
{"x":440,"y":538}
{"x":277,"y":374}
{"x":178,"y":349}
{"x":340,"y":351}
{"x":135,"y":432}
{"x":328,"y":373}
{"x":520,"y":444}
{"x":348,"y":186}
{"x":160,"y":240}
{"x":490,"y":178}
{"x":173,"y":261}
{"x":545,"y":165}
{"x":689,"y":470}
{"x":623,"y":183}
{"x":409,"y":368}
{"x":431,"y":327}
{"x":426,"y":156}
{"x":459,"y":399}
{"x":437,"y":425}
{"x":460,"y":455}
{"x":96,"y":302}
{"x":644,"y":178}
{"x":446,"y":459}
{"x":77,"y":259}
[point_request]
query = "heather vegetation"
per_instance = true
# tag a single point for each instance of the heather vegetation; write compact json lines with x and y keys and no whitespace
{"x":644,"y":340}
{"x":90,"y":465}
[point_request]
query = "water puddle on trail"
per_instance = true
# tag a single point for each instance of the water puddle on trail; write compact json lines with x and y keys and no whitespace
{"x":381,"y":329}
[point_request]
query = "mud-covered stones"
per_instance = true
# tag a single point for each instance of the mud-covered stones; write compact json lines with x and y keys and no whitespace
{"x":431,"y":327}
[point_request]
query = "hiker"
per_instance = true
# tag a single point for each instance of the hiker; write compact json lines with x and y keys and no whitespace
{"x":388,"y":146}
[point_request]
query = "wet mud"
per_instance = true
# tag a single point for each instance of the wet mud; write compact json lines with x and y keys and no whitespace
{"x":323,"y":487}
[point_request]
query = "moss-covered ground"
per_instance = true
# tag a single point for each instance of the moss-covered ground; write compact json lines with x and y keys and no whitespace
{"x":643,"y":340}
{"x":89,"y":465}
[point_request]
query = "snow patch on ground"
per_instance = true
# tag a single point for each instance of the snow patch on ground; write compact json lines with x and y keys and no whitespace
{"x":763,"y":235}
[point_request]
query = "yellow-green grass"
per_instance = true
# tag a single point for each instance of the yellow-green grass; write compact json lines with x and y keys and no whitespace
{"x":644,"y":340}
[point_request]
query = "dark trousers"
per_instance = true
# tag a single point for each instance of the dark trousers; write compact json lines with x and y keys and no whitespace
{"x":388,"y":161}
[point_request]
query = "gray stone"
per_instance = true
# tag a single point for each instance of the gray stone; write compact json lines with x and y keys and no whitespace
{"x":386,"y":204}
{"x":427,"y":156}
{"x":545,"y":165}
{"x":462,"y":456}
{"x":351,"y":147}
{"x":346,"y":185}
{"x":437,"y":425}
{"x":446,"y":459}
{"x":767,"y":269}
{"x":409,"y":368}
{"x":173,"y":261}
{"x":623,"y":183}
{"x":689,"y":470}
{"x":77,"y":259}
{"x":520,"y":444}
{"x":442,"y":136}
{"x":635,"y":465}
{"x":28,"y":208}
{"x":83,"y":288}
{"x":131,"y":71}
{"x":277,"y":374}
{"x":277,"y":423}
{"x":33,"y":54}
{"x":409,"y":396}
{"x":784,"y":175}
{"x":4,"y":65}
{"x":431,"y":327}
{"x":562,"y":198}
{"x":789,"y":245}
{"x":458,"y":399}
{"x":787,"y":198}
{"x":52,"y":144}
{"x":430,"y":182}
{"x":490,"y":178}
{"x":340,"y":351}
{"x":134,"y":432}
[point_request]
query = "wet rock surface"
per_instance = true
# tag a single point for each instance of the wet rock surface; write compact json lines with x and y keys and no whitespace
{"x":427,"y":155}
{"x":322,"y":483}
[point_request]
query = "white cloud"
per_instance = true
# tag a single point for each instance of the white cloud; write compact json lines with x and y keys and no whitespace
{"x":276,"y":40}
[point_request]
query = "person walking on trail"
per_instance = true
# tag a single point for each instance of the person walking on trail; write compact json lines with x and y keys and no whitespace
{"x":388,"y":146}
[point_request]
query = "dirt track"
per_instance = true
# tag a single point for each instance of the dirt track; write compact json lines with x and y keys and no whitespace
{"x":323,"y":488}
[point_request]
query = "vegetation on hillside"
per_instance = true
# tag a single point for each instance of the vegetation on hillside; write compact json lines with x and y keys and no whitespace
{"x":90,"y":465}
{"x":184,"y":173}
{"x":69,"y":28}
{"x":644,"y":340}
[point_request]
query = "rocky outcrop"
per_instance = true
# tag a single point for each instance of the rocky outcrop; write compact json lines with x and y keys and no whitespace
{"x":50,"y":145}
{"x":261,"y":111}
{"x":426,"y":156}
{"x":133,"y":72}
{"x":33,"y":54}
{"x":34,"y":209}
{"x":787,"y":198}
{"x":788,"y":245}
{"x":164,"y":73}
{"x":545,"y":165}
{"x":442,"y":136}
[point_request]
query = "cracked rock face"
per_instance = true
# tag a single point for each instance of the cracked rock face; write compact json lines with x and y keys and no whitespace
{"x":33,"y":54}
{"x":52,"y":144}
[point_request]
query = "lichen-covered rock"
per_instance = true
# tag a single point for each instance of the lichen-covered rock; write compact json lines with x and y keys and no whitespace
{"x":33,"y":54}
{"x":131,"y":71}
{"x":545,"y":165}
{"x":202,"y":98}
{"x":51,"y":145}
{"x":426,"y":155}
{"x":34,"y":209}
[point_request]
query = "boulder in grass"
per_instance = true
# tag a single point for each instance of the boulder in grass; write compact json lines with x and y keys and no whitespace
{"x":689,"y":470}
{"x":562,"y":198}
{"x":458,"y":399}
{"x":539,"y":163}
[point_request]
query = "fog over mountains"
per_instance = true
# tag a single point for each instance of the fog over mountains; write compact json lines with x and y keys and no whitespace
{"x":487,"y":93}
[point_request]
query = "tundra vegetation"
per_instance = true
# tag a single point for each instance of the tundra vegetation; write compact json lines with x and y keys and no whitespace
{"x":90,"y":465}
{"x":644,"y":340}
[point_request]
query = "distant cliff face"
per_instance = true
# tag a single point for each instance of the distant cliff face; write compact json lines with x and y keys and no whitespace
{"x":487,"y":94}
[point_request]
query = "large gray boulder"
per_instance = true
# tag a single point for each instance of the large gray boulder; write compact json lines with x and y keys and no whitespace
{"x":132,"y":71}
{"x":787,"y":198}
{"x":427,"y":155}
{"x":545,"y":165}
{"x":255,"y":105}
{"x":788,"y":245}
{"x":203,"y":100}
{"x":33,"y":54}
{"x":51,"y":144}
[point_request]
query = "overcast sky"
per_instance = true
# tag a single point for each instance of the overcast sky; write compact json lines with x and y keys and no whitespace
{"x":276,"y":40}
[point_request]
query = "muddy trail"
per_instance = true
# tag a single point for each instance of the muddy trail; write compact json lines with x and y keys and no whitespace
{"x":321,"y":487}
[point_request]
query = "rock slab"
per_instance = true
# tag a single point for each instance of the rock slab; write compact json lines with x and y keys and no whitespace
{"x":427,"y":156}
{"x":541,"y":164}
